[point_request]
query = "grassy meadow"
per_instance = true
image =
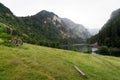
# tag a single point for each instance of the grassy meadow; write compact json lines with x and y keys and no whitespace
{"x":32,"y":62}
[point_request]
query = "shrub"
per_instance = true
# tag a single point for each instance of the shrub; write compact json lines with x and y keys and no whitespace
{"x":6,"y":43}
{"x":5,"y":36}
{"x":103,"y":50}
{"x":114,"y":51}
{"x":87,"y":51}
{"x":74,"y":48}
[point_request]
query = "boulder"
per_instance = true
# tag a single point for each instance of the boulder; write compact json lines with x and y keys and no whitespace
{"x":17,"y":42}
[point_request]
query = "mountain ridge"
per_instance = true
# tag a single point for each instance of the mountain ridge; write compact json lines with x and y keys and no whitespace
{"x":42,"y":28}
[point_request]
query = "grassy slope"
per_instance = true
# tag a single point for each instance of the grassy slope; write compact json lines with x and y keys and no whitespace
{"x":31,"y":62}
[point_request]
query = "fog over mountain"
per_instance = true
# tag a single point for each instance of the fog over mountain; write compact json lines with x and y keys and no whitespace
{"x":93,"y":31}
{"x":76,"y":29}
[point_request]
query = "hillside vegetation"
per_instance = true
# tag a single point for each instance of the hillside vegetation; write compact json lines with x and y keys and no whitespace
{"x":31,"y":62}
{"x":109,"y":35}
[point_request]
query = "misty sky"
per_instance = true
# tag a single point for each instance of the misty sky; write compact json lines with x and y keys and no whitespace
{"x":90,"y":13}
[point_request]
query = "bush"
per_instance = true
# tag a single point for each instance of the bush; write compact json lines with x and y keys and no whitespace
{"x":87,"y":51}
{"x":114,"y":51}
{"x":74,"y":48}
{"x":103,"y":50}
{"x":5,"y":36}
{"x":6,"y":43}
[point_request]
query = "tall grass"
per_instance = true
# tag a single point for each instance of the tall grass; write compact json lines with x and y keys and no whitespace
{"x":31,"y":62}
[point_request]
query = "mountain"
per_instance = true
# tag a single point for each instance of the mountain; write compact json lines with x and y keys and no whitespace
{"x":76,"y":29}
{"x":109,"y":35}
{"x":44,"y":28}
{"x":93,"y":31}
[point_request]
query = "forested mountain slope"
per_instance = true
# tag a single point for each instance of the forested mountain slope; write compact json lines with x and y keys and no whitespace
{"x":45,"y":28}
{"x":109,"y":35}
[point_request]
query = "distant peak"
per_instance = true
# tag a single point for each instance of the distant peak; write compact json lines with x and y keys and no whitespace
{"x":44,"y":12}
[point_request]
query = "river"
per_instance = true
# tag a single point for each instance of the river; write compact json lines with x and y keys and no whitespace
{"x":80,"y":48}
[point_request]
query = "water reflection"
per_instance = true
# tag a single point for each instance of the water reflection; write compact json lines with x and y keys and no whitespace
{"x":94,"y":50}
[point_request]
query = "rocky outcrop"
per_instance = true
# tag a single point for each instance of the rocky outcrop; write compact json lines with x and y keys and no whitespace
{"x":17,"y":42}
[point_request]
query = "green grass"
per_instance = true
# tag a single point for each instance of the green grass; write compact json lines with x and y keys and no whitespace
{"x":1,"y":40}
{"x":31,"y":62}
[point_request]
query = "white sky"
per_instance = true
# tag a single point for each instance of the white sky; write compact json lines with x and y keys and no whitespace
{"x":90,"y":13}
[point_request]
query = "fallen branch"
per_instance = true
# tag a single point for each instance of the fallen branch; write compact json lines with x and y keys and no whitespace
{"x":81,"y":72}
